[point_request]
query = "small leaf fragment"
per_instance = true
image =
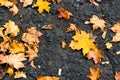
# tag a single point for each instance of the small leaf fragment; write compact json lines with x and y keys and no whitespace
{"x":47,"y":78}
{"x":26,"y":2}
{"x":108,"y":45}
{"x":14,"y":9}
{"x":19,"y":74}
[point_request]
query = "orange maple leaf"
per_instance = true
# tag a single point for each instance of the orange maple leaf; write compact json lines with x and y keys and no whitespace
{"x":63,"y":13}
{"x":20,"y":74}
{"x":14,"y":9}
{"x":42,"y":5}
{"x":94,"y":74}
{"x":47,"y":78}
{"x":97,"y":23}
{"x":117,"y":76}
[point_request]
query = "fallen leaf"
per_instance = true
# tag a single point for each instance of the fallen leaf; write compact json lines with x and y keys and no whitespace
{"x":95,"y":54}
{"x":3,"y":59}
{"x":94,"y":2}
{"x":58,"y":1}
{"x":81,"y":41}
{"x":47,"y":78}
{"x":117,"y":76}
{"x":116,"y":37}
{"x":1,"y":31}
{"x":104,"y":34}
{"x":15,"y":60}
{"x":19,"y":74}
{"x":97,"y":23}
{"x":94,"y":74}
{"x":31,"y":37}
{"x":10,"y":71}
{"x":14,"y":9}
{"x":45,"y":27}
{"x":32,"y":64}
{"x":26,"y":2}
{"x":108,"y":45}
{"x":11,"y":28}
{"x":63,"y":13}
{"x":16,"y":47}
{"x":72,"y":27}
{"x":4,"y":46}
{"x":42,"y":5}
{"x":6,"y":3}
{"x":63,"y":44}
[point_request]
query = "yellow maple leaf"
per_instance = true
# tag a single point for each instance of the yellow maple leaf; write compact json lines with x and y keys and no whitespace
{"x":6,"y":3}
{"x":10,"y":71}
{"x":81,"y":41}
{"x":11,"y":28}
{"x":42,"y":5}
{"x":16,"y":47}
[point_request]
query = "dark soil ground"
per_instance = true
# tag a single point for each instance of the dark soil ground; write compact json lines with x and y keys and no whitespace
{"x":51,"y":56}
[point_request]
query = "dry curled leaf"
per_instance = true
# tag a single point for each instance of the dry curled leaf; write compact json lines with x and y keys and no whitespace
{"x":72,"y":27}
{"x":97,"y":23}
{"x":31,"y":37}
{"x":14,"y":9}
{"x":16,"y":47}
{"x":32,"y":64}
{"x":15,"y":60}
{"x":19,"y":74}
{"x":42,"y":5}
{"x":47,"y":78}
{"x":94,"y":74}
{"x":117,"y":76}
{"x":45,"y":27}
{"x":94,"y":2}
{"x":11,"y":28}
{"x":26,"y":2}
{"x":63,"y":13}
{"x":63,"y":44}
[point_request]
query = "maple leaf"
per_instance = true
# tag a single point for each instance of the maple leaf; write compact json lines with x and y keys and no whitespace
{"x":81,"y":41}
{"x":1,"y":31}
{"x":42,"y":5}
{"x":94,"y":74}
{"x":95,"y":54}
{"x":32,"y":36}
{"x":16,"y":47}
{"x":26,"y":2}
{"x":117,"y":76}
{"x":15,"y":60}
{"x":4,"y":46}
{"x":63,"y":13}
{"x":116,"y":29}
{"x":97,"y":23}
{"x":19,"y":74}
{"x":6,"y":3}
{"x":2,"y":59}
{"x":11,"y":28}
{"x":14,"y":9}
{"x":47,"y":78}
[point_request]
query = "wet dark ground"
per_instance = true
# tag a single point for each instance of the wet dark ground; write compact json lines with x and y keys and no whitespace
{"x":51,"y":56}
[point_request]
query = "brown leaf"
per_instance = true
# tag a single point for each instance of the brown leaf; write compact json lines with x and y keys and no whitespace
{"x":47,"y":78}
{"x":14,"y":9}
{"x":15,"y":60}
{"x":63,"y":13}
{"x":117,"y":76}
{"x":94,"y":74}
{"x":26,"y":2}
{"x":19,"y":74}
